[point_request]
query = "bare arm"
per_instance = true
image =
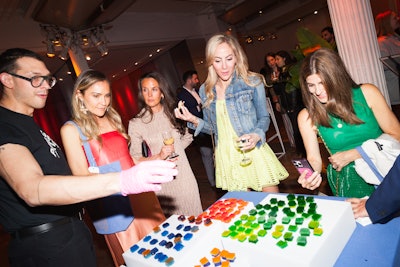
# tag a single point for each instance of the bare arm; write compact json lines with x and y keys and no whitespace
{"x":382,"y":112}
{"x":73,"y":150}
{"x":311,"y":145}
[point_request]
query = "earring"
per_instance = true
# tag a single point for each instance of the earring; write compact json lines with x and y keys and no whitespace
{"x":82,"y":107}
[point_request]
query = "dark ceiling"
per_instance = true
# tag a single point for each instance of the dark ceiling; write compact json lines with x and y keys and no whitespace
{"x":77,"y":15}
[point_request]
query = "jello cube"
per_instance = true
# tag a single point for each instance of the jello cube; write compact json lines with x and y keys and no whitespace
{"x":215,"y":252}
{"x":305,"y":232}
{"x":292,"y":228}
{"x":288,"y":236}
{"x":276,"y":234}
{"x":313,"y":224}
{"x":253,"y":239}
{"x":285,"y":220}
{"x":302,"y":241}
{"x":262,"y":233}
{"x":318,"y":231}
{"x":282,"y":244}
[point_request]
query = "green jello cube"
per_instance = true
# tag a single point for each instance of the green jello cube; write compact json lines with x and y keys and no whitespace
{"x":272,"y":220}
{"x":253,"y":239}
{"x":267,"y":206}
{"x":262,"y":233}
{"x":249,"y":231}
{"x":241,"y":229}
{"x":232,"y":228}
{"x":261,"y":212}
{"x":276,"y":234}
{"x":300,"y":198}
{"x":291,"y":197}
{"x":273,"y":200}
{"x":299,"y":220}
{"x":251,"y":218}
{"x":272,"y":213}
{"x":301,"y":241}
{"x":244,"y":217}
{"x":238,"y":222}
{"x":288,"y":236}
{"x":316,"y":217}
{"x":313,"y":205}
{"x":318,"y":231}
{"x":247,"y":224}
{"x":261,"y":219}
{"x":293,"y":228}
{"x":305,"y":232}
{"x":300,"y":209}
{"x":281,"y":203}
{"x":285,"y":220}
{"x":241,"y":237}
{"x":254,"y":225}
{"x":313,"y":224}
{"x":267,"y":225}
{"x":306,"y":215}
{"x":275,"y":208}
{"x":226,"y":233}
{"x":259,"y":206}
{"x":286,"y":210}
{"x":292,"y":203}
{"x":279,"y":228}
{"x":282,"y":244}
{"x":233,"y":234}
{"x":310,"y":199}
{"x":291,"y":214}
{"x":252,"y":212}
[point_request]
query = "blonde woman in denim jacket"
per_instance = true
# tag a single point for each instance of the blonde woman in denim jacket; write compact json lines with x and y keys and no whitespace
{"x":235,"y":108}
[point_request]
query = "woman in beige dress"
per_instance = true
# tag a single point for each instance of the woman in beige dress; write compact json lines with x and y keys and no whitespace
{"x":180,"y":196}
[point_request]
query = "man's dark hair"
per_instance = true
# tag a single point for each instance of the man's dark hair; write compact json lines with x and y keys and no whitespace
{"x":188,"y":74}
{"x":328,"y":28}
{"x":10,"y":56}
{"x":8,"y":61}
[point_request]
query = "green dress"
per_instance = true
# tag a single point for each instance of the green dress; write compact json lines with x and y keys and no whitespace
{"x":343,"y":136}
{"x":265,"y":169}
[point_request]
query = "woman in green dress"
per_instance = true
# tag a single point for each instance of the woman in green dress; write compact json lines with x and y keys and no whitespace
{"x":344,"y":114}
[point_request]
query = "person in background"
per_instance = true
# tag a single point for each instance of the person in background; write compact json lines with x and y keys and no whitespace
{"x":270,"y":71}
{"x":291,"y":101}
{"x":344,"y":114}
{"x":275,"y":89}
{"x":387,"y":26}
{"x":191,"y":99}
{"x":157,"y":103}
{"x":40,"y":200}
{"x":328,"y":35}
{"x":235,"y":111}
{"x":96,"y":131}
{"x":384,"y":203}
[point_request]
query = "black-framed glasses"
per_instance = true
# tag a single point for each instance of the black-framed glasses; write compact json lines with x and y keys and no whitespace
{"x":37,"y":81}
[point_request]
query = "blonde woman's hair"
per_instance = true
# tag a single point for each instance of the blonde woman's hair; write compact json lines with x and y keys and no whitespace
{"x":382,"y":23}
{"x":242,"y":66}
{"x":85,"y":119}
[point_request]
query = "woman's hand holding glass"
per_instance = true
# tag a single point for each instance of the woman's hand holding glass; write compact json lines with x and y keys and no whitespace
{"x":168,"y":147}
{"x":252,"y":140}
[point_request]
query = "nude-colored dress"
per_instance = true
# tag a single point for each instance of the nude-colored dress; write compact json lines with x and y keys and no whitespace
{"x":181,"y":196}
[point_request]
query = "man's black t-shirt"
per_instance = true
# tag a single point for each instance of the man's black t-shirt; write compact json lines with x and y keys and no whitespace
{"x":16,"y":128}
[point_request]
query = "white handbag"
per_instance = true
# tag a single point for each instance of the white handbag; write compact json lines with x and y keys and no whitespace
{"x":378,"y":156}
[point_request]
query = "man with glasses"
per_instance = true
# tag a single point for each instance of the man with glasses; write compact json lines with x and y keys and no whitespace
{"x":39,"y":199}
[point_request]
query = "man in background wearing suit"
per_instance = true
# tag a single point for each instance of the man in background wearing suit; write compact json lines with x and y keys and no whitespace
{"x":188,"y":93}
{"x":384,"y":203}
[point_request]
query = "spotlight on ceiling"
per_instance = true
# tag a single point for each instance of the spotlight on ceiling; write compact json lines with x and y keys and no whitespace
{"x":249,"y":40}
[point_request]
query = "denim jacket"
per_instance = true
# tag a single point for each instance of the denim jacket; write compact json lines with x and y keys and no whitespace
{"x":246,"y":106}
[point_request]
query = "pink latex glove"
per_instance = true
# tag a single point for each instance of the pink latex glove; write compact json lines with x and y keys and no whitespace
{"x":147,"y":176}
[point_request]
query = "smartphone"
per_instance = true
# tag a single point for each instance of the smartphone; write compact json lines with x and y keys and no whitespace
{"x":302,"y":165}
{"x":172,"y":157}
